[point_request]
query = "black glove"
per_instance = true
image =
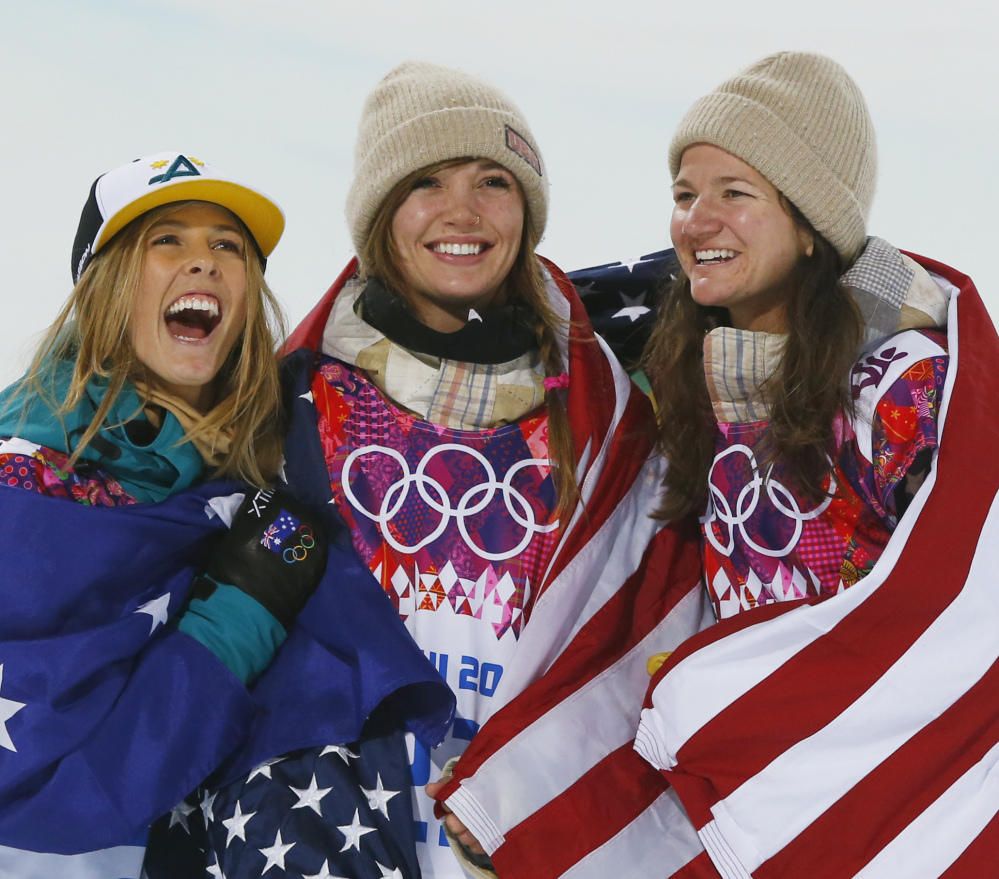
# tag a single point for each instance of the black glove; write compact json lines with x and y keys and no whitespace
{"x":275,"y":552}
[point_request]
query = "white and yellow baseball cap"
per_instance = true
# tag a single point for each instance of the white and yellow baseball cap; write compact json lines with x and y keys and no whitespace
{"x":121,"y":195}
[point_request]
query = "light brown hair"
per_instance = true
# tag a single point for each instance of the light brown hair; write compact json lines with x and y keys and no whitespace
{"x":92,"y":330}
{"x":380,"y":259}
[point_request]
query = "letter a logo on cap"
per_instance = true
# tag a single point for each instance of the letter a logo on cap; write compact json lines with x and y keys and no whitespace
{"x":181,"y":167}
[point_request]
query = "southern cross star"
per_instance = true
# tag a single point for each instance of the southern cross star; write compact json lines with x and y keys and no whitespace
{"x":157,"y":609}
{"x":8,"y":708}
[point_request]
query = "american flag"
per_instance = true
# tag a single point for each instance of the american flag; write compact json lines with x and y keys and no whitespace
{"x":854,"y":736}
{"x":321,"y":813}
{"x":622,"y":298}
{"x":601,"y":613}
{"x":859,"y":736}
{"x":551,"y":783}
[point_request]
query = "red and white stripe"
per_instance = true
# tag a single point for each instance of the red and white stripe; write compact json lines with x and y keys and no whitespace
{"x":854,"y":736}
{"x":551,"y":785}
{"x":859,"y":735}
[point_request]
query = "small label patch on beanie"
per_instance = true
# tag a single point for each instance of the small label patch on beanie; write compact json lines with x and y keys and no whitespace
{"x":522,"y":148}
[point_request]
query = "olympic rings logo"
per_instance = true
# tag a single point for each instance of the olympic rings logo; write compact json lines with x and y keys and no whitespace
{"x":435,"y":495}
{"x":300,"y":552}
{"x":746,"y":506}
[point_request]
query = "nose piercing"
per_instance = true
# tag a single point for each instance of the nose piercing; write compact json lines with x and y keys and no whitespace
{"x":477,"y":218}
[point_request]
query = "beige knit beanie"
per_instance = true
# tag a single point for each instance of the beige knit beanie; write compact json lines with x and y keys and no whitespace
{"x":421,"y":114}
{"x":800,"y":121}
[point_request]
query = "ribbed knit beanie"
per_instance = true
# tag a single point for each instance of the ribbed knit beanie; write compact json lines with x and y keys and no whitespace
{"x":421,"y":114}
{"x":800,"y":120}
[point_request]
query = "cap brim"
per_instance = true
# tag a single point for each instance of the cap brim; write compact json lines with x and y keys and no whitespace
{"x":260,"y":215}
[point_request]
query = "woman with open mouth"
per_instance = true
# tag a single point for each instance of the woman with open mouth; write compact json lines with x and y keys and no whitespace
{"x":120,"y":687}
{"x":764,"y":412}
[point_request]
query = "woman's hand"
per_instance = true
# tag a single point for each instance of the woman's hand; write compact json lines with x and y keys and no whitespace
{"x":275,"y":552}
{"x":454,"y":825}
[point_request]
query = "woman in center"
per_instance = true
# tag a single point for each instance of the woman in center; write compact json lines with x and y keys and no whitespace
{"x":439,"y":392}
{"x":466,"y":415}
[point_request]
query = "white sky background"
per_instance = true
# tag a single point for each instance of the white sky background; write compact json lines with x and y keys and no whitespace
{"x":271,"y":91}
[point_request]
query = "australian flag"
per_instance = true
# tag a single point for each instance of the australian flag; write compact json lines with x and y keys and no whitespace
{"x":107,"y":714}
{"x":322,"y":785}
{"x":279,"y":531}
{"x":109,"y":717}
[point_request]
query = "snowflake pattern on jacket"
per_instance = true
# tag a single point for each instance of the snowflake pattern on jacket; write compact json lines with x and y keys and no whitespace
{"x":445,"y":519}
{"x":765,"y":542}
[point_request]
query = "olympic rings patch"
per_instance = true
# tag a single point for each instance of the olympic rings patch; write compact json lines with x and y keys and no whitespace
{"x":288,"y":537}
{"x":300,"y":551}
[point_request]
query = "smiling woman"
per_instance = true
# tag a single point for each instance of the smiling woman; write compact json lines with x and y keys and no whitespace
{"x":754,"y":355}
{"x":461,"y":413}
{"x":815,"y":386}
{"x":454,"y":240}
{"x":736,"y":239}
{"x":170,"y":315}
{"x":159,"y":372}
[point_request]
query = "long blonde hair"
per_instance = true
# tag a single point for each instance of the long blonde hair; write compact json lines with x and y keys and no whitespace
{"x":380,"y":259}
{"x":92,"y":331}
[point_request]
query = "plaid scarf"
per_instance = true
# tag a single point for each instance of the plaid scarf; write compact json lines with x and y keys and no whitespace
{"x":448,"y":393}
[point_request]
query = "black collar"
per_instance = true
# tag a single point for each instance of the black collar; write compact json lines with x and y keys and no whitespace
{"x":501,"y":335}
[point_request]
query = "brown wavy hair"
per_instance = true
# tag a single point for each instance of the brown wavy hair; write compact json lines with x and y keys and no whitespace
{"x":92,"y":331}
{"x":804,"y":395}
{"x":380,"y":259}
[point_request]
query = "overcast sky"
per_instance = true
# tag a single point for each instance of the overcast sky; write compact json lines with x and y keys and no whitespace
{"x":272,"y":92}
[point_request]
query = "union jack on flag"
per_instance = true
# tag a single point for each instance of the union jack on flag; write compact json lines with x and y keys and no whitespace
{"x":278,"y":531}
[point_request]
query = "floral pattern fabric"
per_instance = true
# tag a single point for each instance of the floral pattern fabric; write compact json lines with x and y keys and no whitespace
{"x":47,"y":471}
{"x":441,"y":516}
{"x":457,"y":527}
{"x":765,"y":542}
